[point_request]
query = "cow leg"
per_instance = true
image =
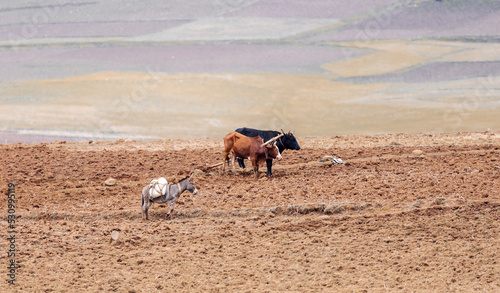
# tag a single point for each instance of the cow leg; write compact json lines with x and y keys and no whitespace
{"x":225,"y":160}
{"x":255,"y":168}
{"x":233,"y":156}
{"x":241,"y":162}
{"x":269,"y":163}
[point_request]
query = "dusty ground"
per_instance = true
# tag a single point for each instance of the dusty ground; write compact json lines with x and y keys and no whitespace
{"x":387,"y":220}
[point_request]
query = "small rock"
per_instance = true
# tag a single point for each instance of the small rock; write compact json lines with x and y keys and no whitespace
{"x":439,"y":201}
{"x":395,"y":143}
{"x":115,"y":235}
{"x":418,"y":152}
{"x":337,"y":161}
{"x":198,"y":173}
{"x":110,"y":182}
{"x":417,"y":203}
{"x":326,"y":158}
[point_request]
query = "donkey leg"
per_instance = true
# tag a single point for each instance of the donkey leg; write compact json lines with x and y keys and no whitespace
{"x":170,"y":210}
{"x":146,"y":203}
{"x":144,"y":212}
{"x":145,"y":207}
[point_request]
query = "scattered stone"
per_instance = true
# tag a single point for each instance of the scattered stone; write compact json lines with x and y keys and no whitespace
{"x":326,"y":158}
{"x":418,"y":152}
{"x":115,"y":236}
{"x":198,"y":173}
{"x":332,"y":159}
{"x":439,"y":201}
{"x":393,"y":143}
{"x":337,"y":161}
{"x":417,"y":204}
{"x":110,"y":182}
{"x":275,"y":210}
{"x":91,"y":141}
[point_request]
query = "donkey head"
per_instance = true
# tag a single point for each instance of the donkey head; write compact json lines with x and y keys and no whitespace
{"x":191,"y":187}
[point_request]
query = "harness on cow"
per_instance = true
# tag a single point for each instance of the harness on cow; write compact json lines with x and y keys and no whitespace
{"x":281,"y":144}
{"x":158,"y":187}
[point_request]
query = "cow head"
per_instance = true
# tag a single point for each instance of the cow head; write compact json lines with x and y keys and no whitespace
{"x":289,"y":141}
{"x":272,"y":148}
{"x":273,"y":152}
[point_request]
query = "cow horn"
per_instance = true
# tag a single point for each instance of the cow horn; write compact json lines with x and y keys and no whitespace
{"x":272,"y":140}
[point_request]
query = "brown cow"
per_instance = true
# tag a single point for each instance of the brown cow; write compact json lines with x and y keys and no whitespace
{"x":253,"y":148}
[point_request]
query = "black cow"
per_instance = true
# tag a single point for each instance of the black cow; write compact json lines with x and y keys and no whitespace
{"x":288,"y":141}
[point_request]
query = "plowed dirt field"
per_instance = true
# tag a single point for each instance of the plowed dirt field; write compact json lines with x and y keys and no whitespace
{"x":405,"y":213}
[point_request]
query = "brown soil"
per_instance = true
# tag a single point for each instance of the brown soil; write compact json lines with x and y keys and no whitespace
{"x":389,"y":219}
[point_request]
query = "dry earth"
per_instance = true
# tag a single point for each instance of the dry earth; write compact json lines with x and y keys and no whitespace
{"x":389,"y":219}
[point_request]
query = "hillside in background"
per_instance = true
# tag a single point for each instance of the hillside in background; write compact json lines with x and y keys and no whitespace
{"x":170,"y":69}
